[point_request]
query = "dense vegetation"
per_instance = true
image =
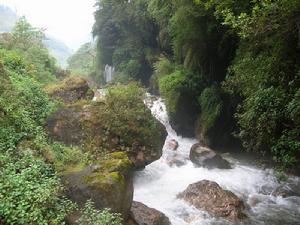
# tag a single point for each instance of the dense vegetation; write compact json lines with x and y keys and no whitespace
{"x":228,"y":70}
{"x":30,"y":188}
{"x":83,"y":61}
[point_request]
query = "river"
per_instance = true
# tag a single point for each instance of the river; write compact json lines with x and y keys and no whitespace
{"x":159,"y":183}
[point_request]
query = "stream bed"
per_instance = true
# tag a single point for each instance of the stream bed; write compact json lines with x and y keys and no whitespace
{"x":159,"y":183}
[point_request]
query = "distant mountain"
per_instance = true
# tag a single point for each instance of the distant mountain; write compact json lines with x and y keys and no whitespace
{"x":57,"y":48}
{"x":7,"y":18}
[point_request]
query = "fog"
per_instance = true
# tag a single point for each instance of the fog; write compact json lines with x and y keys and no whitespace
{"x":67,"y":20}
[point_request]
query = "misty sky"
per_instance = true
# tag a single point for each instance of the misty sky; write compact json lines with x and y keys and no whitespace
{"x":70,"y":21}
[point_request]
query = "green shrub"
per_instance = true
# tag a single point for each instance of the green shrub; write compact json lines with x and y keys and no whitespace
{"x":211,"y":107}
{"x":24,"y":105}
{"x":170,"y":87}
{"x":180,"y":82}
{"x":126,"y":116}
{"x":162,"y":67}
{"x":67,"y":155}
{"x":259,"y":118}
{"x":30,"y":192}
{"x":92,"y":216}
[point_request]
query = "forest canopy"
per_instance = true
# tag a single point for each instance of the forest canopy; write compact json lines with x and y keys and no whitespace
{"x":220,"y":65}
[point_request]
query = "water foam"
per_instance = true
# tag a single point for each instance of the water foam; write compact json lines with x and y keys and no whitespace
{"x":158,"y":185}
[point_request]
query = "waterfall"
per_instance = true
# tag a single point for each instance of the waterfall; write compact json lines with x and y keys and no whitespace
{"x":108,"y":73}
{"x":159,"y":183}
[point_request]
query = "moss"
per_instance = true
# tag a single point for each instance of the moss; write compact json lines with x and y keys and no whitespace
{"x":74,"y":168}
{"x":118,"y":155}
{"x":106,"y":181}
{"x":70,"y":89}
{"x":67,"y":84}
{"x":117,"y":161}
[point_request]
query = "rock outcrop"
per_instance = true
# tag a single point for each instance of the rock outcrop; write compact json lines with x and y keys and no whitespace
{"x":209,"y":196}
{"x":71,"y":89}
{"x":205,"y":157}
{"x":172,"y":144}
{"x":108,"y":184}
{"x":143,"y":215}
{"x":64,"y":125}
{"x":104,"y":126}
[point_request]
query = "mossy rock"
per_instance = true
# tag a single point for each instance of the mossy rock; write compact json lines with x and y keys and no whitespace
{"x":108,"y":183}
{"x":122,"y":123}
{"x":71,"y":89}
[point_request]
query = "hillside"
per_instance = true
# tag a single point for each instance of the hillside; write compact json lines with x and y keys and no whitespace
{"x":57,"y":48}
{"x":60,"y":51}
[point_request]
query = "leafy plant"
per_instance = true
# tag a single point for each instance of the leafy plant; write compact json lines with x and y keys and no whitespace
{"x":92,"y":216}
{"x":30,"y":192}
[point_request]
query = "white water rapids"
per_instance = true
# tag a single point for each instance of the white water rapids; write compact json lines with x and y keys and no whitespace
{"x":158,"y":184}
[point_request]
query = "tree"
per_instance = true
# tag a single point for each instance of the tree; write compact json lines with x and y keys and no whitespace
{"x":24,"y":35}
{"x":83,"y":60}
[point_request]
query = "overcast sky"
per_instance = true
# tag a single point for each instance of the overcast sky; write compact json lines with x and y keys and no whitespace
{"x":70,"y":21}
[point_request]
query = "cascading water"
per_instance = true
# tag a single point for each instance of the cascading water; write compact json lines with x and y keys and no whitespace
{"x":158,"y":184}
{"x":108,"y":73}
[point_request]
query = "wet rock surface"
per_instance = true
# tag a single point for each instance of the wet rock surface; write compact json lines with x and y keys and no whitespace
{"x":209,"y":196}
{"x":143,"y":215}
{"x":205,"y":157}
{"x":172,"y":144}
{"x":108,"y":184}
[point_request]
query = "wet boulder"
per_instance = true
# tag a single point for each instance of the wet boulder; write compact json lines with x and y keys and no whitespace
{"x":108,"y":183}
{"x":205,"y":157}
{"x":175,"y":161}
{"x":209,"y":196}
{"x":71,"y":89}
{"x":172,"y":144}
{"x":143,"y":215}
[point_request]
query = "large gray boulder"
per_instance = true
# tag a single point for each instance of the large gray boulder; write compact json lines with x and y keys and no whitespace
{"x":209,"y":196}
{"x":87,"y":124}
{"x":108,"y":183}
{"x":205,"y":157}
{"x":143,"y":215}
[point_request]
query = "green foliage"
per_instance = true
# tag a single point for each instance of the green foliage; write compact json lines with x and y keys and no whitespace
{"x":173,"y":85}
{"x":30,"y":192}
{"x":126,"y":37}
{"x":265,"y":76}
{"x":162,"y":68}
{"x":27,"y":42}
{"x":24,"y":35}
{"x":23,"y":104}
{"x":82,"y":62}
{"x":249,"y":48}
{"x":126,"y":116}
{"x":259,"y":118}
{"x":211,"y":107}
{"x":65,"y":156}
{"x":92,"y":216}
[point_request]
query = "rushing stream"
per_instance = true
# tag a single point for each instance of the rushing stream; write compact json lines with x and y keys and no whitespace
{"x":158,"y":185}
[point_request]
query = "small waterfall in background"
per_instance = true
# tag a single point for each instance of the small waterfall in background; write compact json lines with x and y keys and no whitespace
{"x":108,"y":73}
{"x":159,"y":183}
